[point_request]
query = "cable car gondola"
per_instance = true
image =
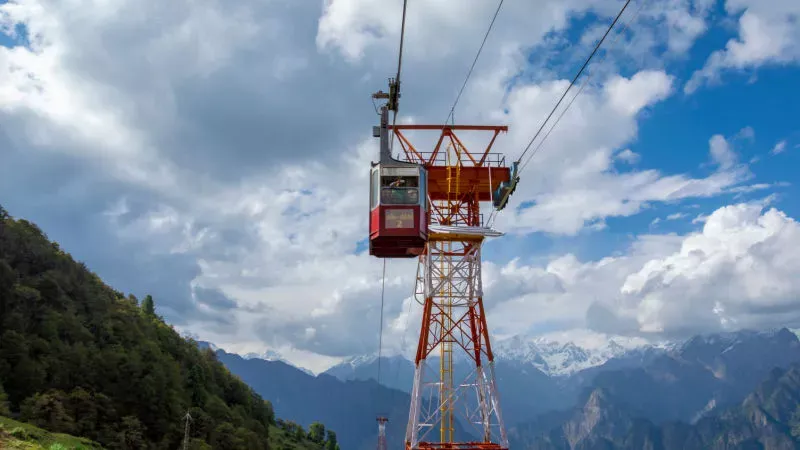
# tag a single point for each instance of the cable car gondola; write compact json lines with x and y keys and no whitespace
{"x":398,"y":219}
{"x":398,"y":222}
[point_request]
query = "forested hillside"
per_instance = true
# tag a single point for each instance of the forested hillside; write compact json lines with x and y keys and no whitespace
{"x":78,"y":357}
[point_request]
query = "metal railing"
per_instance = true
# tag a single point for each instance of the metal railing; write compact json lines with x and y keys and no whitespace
{"x":492,"y":159}
{"x":457,"y":221}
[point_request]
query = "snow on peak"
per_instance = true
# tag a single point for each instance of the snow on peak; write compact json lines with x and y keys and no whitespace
{"x":267,"y":355}
{"x":555,"y":358}
{"x":552,"y":357}
{"x":361,"y":360}
{"x":272,"y":355}
{"x":212,"y":346}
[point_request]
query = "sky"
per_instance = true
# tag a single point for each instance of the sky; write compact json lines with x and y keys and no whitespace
{"x":215,"y":155}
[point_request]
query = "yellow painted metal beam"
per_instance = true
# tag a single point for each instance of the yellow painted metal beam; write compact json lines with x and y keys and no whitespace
{"x":455,"y":237}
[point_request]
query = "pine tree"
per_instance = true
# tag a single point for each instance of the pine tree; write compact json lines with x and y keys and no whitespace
{"x":331,"y":443}
{"x":148,"y":306}
{"x":316,"y":432}
{"x":4,"y":410}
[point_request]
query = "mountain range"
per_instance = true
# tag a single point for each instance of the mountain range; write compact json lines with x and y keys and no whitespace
{"x":545,"y":396}
{"x":525,"y":368}
{"x":533,"y":375}
{"x":552,"y":358}
{"x":768,"y":418}
{"x":350,"y":407}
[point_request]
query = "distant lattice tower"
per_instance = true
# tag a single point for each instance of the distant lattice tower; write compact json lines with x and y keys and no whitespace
{"x":382,"y":433}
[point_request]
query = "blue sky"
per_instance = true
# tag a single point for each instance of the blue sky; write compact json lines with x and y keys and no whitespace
{"x":673,"y":138}
{"x":223,"y":168}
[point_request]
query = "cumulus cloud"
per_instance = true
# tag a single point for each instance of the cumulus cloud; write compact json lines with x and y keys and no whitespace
{"x":735,"y":273}
{"x":567,"y":292}
{"x":769,"y":33}
{"x":216,"y":157}
{"x":738,"y":271}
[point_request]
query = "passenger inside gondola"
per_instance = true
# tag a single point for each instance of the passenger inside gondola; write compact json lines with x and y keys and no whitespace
{"x":402,"y":190}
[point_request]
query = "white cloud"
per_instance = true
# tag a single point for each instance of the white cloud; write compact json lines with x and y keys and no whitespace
{"x":565,"y":290}
{"x":721,"y":152}
{"x":769,"y":34}
{"x":237,"y":138}
{"x":581,"y":193}
{"x":780,"y":147}
{"x":747,"y":133}
{"x":628,"y":156}
{"x":629,"y":96}
{"x":676,"y":216}
{"x":739,"y":271}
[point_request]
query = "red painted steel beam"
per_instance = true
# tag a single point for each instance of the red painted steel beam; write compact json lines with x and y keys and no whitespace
{"x":450,"y":127}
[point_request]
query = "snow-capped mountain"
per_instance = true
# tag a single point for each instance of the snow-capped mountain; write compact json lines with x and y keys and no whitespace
{"x":396,"y":371}
{"x":267,"y":355}
{"x":728,"y":341}
{"x":534,"y":374}
{"x":360,"y":360}
{"x":555,"y":358}
{"x":271,"y":355}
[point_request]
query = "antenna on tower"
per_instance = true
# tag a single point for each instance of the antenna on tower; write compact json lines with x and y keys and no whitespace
{"x":382,"y":433}
{"x":187,"y":418}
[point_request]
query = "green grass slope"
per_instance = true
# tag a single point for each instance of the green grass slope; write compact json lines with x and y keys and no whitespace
{"x":16,"y":435}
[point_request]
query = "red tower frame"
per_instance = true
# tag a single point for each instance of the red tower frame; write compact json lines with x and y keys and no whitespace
{"x":450,"y":289}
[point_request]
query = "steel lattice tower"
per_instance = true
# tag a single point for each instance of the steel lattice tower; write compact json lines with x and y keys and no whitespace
{"x":382,"y":433}
{"x":449,"y":287}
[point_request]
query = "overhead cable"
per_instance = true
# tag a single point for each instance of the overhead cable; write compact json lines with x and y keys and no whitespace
{"x":572,"y":83}
{"x":583,"y":85}
{"x":399,"y":67}
{"x":458,"y":97}
{"x":577,"y":75}
{"x":380,"y":333}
